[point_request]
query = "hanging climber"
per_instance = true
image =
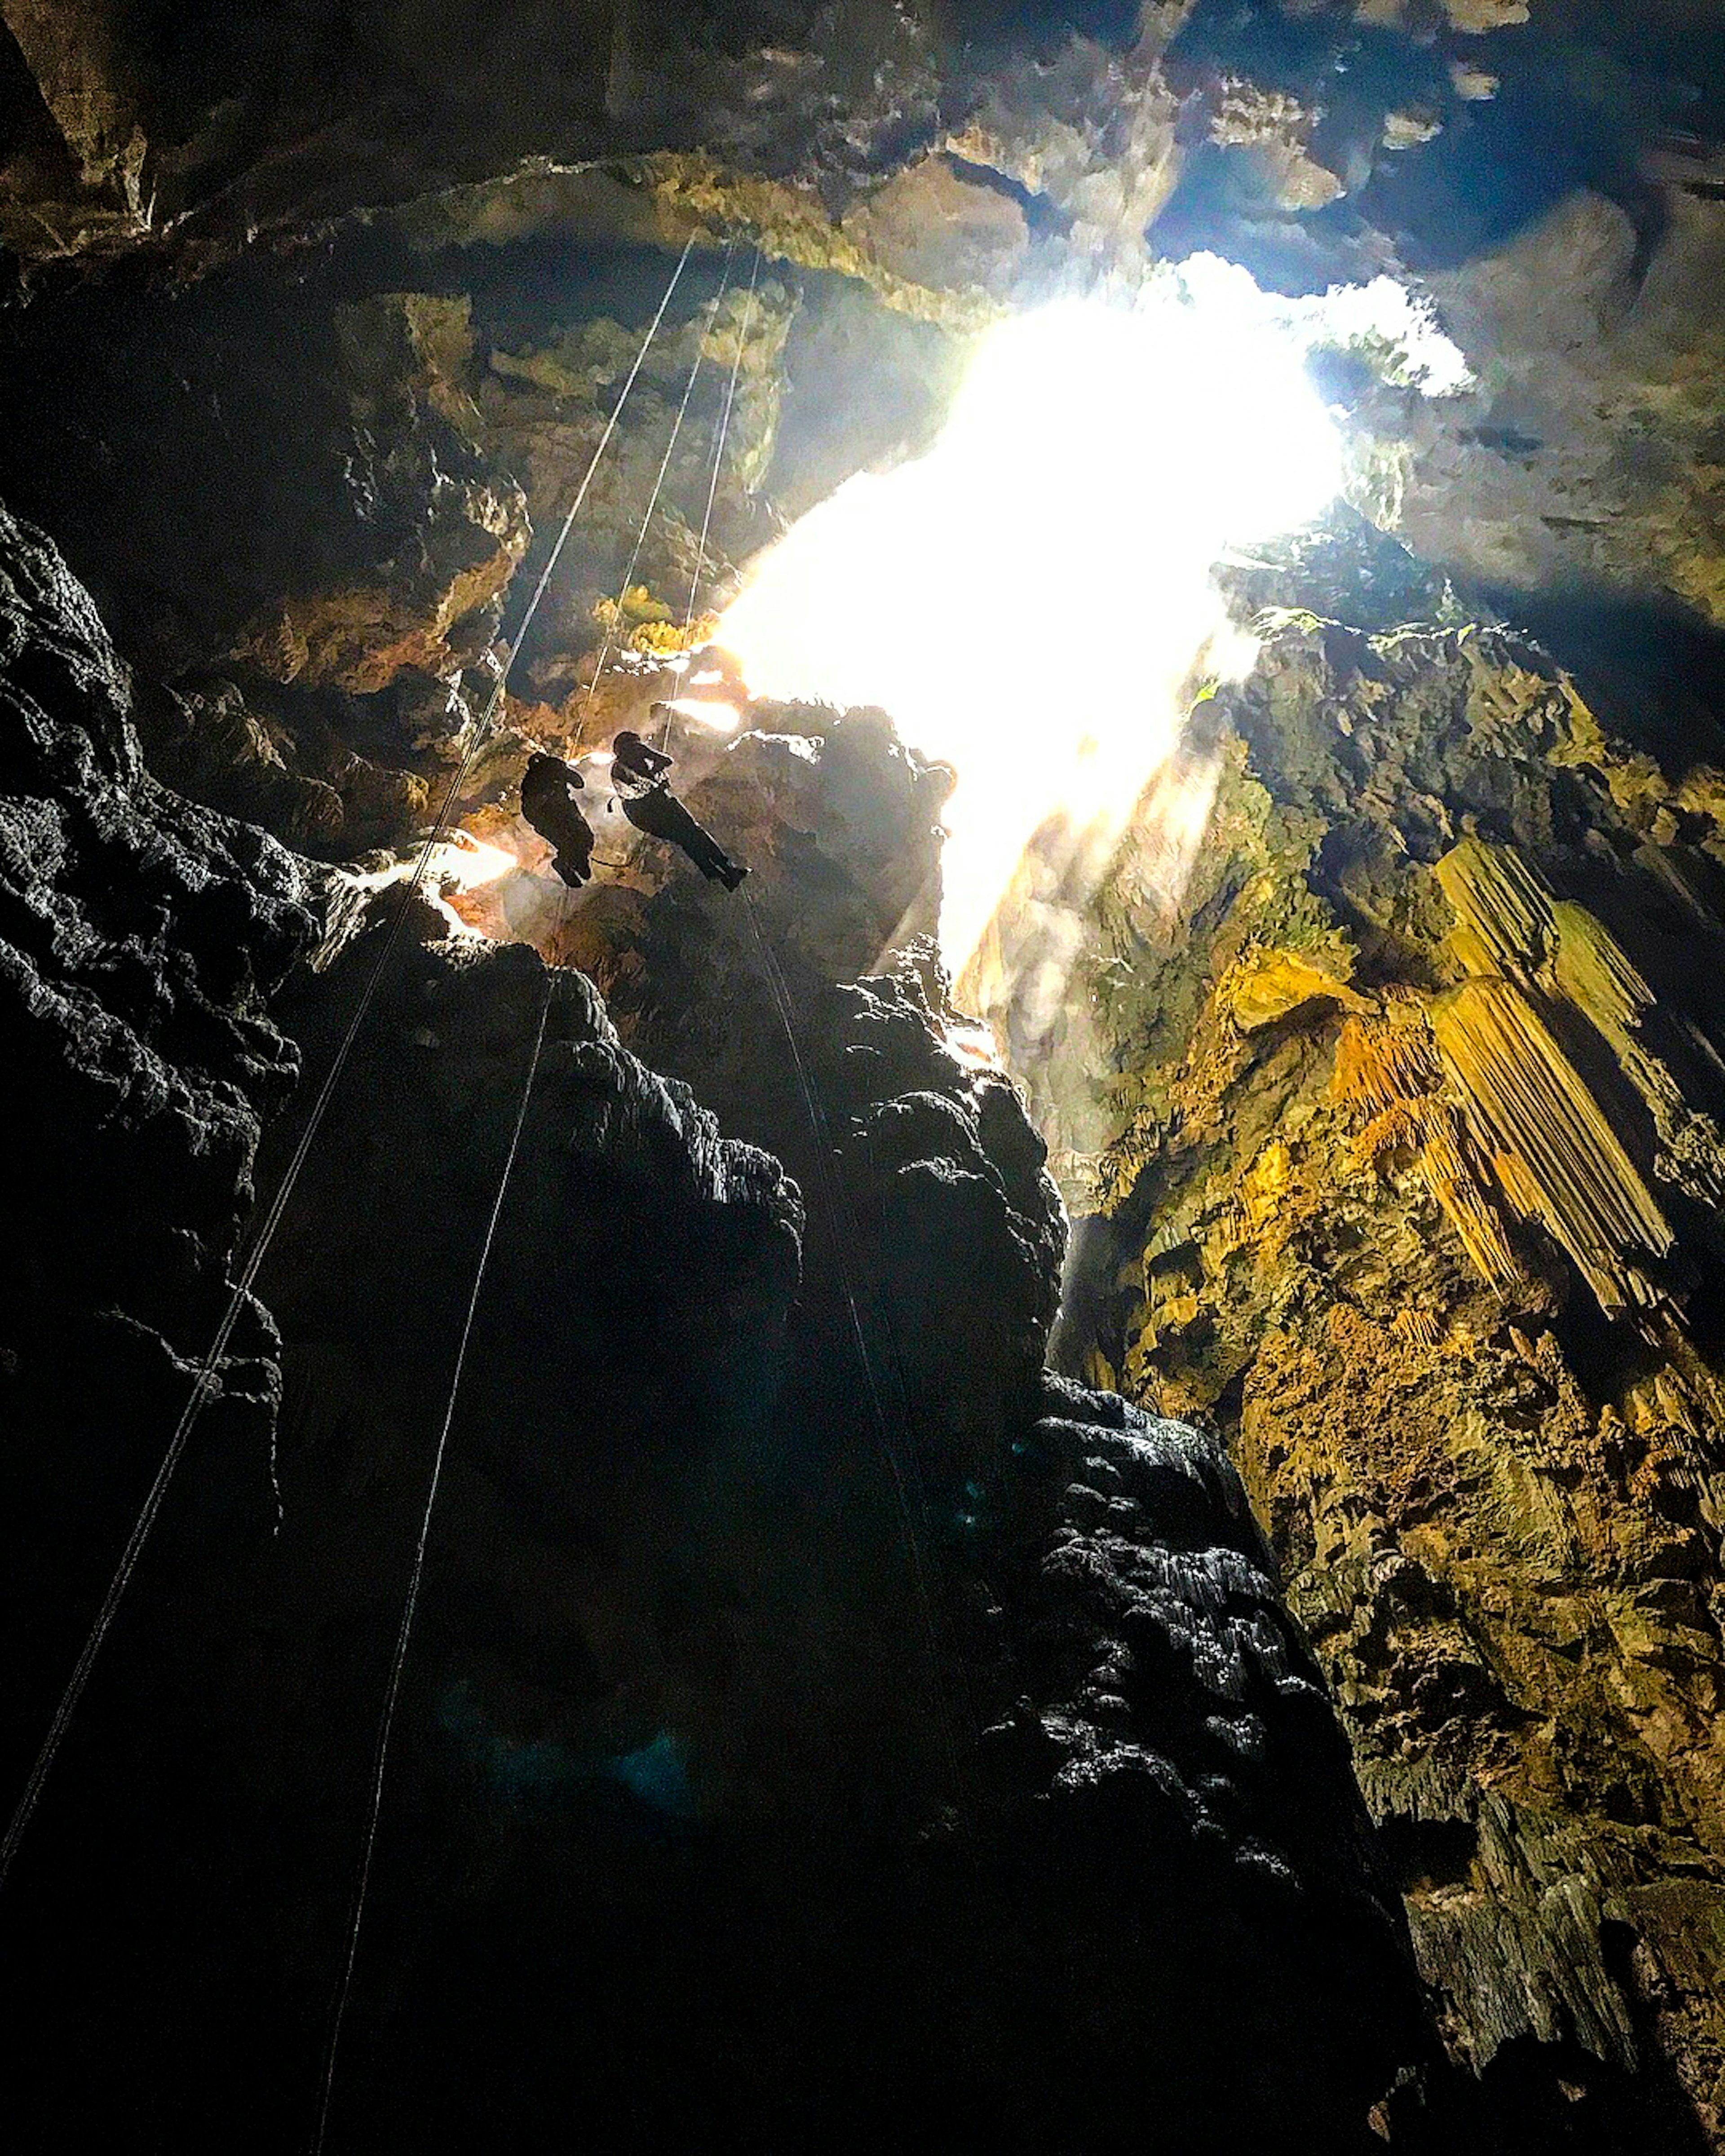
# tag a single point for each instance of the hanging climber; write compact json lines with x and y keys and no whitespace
{"x":548,"y":790}
{"x":638,"y":775}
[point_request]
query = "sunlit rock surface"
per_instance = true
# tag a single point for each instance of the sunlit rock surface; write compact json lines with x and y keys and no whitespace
{"x":1590,"y":452}
{"x":306,"y":504}
{"x":310,"y":334}
{"x":1397,"y":1122}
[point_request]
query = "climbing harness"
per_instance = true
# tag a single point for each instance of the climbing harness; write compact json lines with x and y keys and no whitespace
{"x":712,"y":486}
{"x":628,"y":574}
{"x":205,"y":1384}
{"x":411,"y":1603}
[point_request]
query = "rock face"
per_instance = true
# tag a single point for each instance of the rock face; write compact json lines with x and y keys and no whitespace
{"x":1588,"y":453}
{"x":1547,"y":177}
{"x":1397,"y":1117}
{"x":139,"y":939}
{"x":815,"y":1716}
{"x":908,"y":1150}
{"x":313,"y":491}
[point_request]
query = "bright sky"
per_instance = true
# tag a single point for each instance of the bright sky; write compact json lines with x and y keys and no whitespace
{"x":1032,"y":599}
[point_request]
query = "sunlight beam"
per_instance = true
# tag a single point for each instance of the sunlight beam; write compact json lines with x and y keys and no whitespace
{"x":1032,"y":600}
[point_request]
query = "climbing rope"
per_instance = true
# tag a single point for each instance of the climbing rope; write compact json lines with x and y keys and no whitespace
{"x":575,"y":506}
{"x":410,"y":1605}
{"x":839,"y":1210}
{"x":205,"y":1382}
{"x":712,"y":488}
{"x":628,"y":574}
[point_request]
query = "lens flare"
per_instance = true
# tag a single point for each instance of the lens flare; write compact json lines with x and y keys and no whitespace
{"x":1032,"y":599}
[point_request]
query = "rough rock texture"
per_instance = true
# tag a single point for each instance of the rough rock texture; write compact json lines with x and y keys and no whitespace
{"x":313,"y":335}
{"x":929,"y":164}
{"x":1590,"y":452}
{"x":795,"y":1738}
{"x":823,"y":1808}
{"x":908,"y":1150}
{"x":139,"y":938}
{"x":303,"y":496}
{"x":1394,"y":1102}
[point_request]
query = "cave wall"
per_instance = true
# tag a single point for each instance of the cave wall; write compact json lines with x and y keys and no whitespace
{"x":142,"y":939}
{"x":1393,"y":1104}
{"x":1547,"y":177}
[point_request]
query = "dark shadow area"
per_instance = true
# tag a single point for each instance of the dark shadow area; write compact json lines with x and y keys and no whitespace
{"x":1656,"y":673}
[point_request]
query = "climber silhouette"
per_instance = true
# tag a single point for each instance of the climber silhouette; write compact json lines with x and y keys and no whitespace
{"x":548,"y":790}
{"x":638,"y":775}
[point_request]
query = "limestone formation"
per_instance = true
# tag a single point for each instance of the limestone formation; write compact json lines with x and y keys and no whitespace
{"x":1587,"y":453}
{"x":1406,"y":1178}
{"x":141,"y":939}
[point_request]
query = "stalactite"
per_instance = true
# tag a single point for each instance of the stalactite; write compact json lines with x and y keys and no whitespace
{"x":1510,"y":921}
{"x":1389,"y":1067}
{"x":1590,"y":968}
{"x":1503,"y":907}
{"x":1554,"y":1152}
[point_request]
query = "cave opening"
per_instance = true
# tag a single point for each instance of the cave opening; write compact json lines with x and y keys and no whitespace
{"x":1034,"y":599}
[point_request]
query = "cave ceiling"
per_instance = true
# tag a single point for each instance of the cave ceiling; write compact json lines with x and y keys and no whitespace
{"x":1548,"y":174}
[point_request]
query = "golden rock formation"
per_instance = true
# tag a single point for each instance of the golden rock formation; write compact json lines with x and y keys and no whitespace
{"x":1266,"y":986}
{"x":1422,"y":1241}
{"x":1553,"y":1150}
